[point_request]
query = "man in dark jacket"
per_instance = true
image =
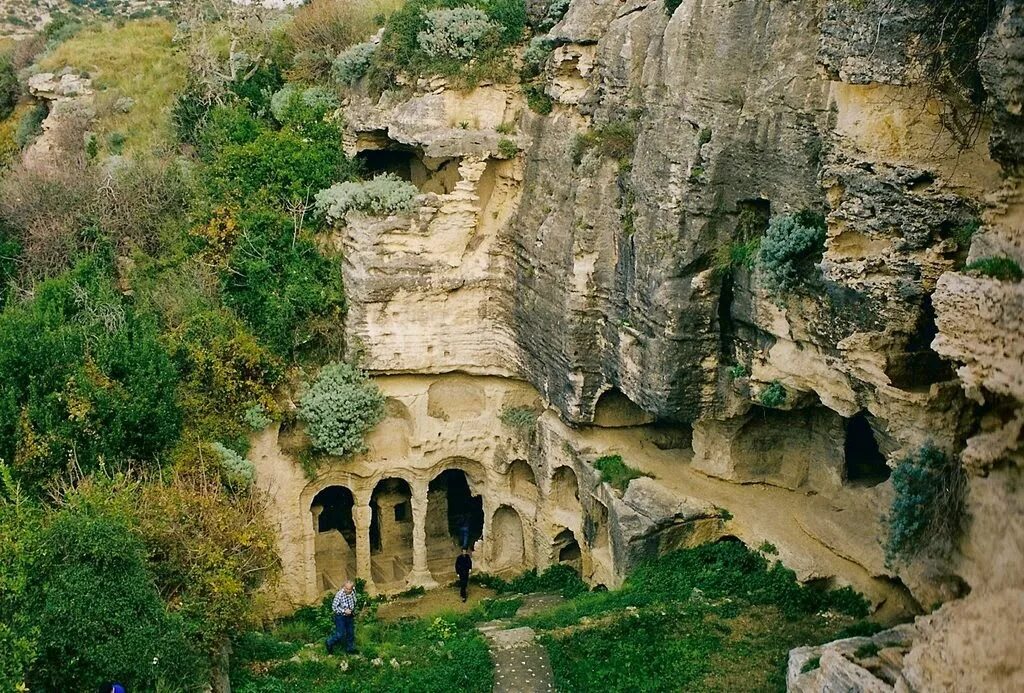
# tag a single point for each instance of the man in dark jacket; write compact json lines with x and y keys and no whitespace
{"x":463,"y":564}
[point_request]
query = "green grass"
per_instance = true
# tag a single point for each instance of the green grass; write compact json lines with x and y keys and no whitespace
{"x":715,"y":618}
{"x":718,"y":617}
{"x":616,"y":472}
{"x":135,"y":60}
{"x":1001,"y":268}
{"x":439,"y":654}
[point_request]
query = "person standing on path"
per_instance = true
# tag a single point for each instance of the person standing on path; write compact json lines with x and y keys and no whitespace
{"x":463,"y":564}
{"x":344,"y":609}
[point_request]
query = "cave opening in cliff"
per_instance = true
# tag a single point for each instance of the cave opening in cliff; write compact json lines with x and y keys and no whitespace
{"x":918,"y":367}
{"x":566,"y":550}
{"x":391,"y":530}
{"x":507,"y":539}
{"x":428,"y":174}
{"x":865,"y":463}
{"x":455,"y":518}
{"x":335,"y":542}
{"x":614,"y":409}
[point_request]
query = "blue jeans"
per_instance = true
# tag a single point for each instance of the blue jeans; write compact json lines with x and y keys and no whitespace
{"x":344,"y":632}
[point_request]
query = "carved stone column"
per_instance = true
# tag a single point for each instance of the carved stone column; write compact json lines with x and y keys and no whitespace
{"x":312,"y":570}
{"x":361,"y":515}
{"x":420,"y":575}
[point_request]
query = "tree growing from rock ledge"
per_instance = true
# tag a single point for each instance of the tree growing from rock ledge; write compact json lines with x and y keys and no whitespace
{"x":789,"y":250}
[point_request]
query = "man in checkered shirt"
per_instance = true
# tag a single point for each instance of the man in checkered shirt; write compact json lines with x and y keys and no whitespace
{"x":344,"y":608}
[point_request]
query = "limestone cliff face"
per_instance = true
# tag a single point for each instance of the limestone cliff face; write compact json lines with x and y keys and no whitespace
{"x":591,"y":275}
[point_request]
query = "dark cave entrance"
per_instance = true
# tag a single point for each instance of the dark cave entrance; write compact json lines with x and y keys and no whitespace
{"x":464,"y":511}
{"x":335,"y":539}
{"x":918,"y":366}
{"x":567,"y":550}
{"x":429,"y":175}
{"x":865,"y":463}
{"x":336,"y":514}
{"x":391,"y":530}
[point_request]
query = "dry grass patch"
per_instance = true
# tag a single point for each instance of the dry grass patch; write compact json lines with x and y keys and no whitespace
{"x":136,"y":60}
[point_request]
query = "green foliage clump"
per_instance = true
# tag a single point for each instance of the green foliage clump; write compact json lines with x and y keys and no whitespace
{"x":31,"y":125}
{"x":810,"y":665}
{"x":616,"y":472}
{"x":737,"y":254}
{"x":278,"y":166}
{"x":280,"y":283}
{"x":384,"y":195}
{"x":95,"y":605}
{"x":537,"y":99}
{"x":256,"y":417}
{"x":9,"y":86}
{"x":1002,"y":268}
{"x":554,"y":13}
{"x":964,"y":233}
{"x":738,"y":371}
{"x":296,"y":104}
{"x":507,"y":148}
{"x":928,"y":506}
{"x":341,"y":405}
{"x":789,"y":250}
{"x":237,"y":472}
{"x":520,"y":418}
{"x":866,"y":651}
{"x":558,"y":578}
{"x":352,"y":64}
{"x":463,"y":39}
{"x":614,"y":140}
{"x":536,"y":54}
{"x":83,"y":378}
{"x":454,"y":33}
{"x":773,"y":395}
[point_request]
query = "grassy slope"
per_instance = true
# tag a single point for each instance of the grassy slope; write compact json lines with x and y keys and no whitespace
{"x":715,"y":618}
{"x":136,"y":60}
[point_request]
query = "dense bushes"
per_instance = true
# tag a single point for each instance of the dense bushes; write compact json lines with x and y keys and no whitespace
{"x":789,"y":250}
{"x":83,"y":380}
{"x":9,"y":86}
{"x":455,"y":33}
{"x":384,"y":195}
{"x":280,"y":284}
{"x":773,"y":395}
{"x":351,"y":65}
{"x":98,"y":613}
{"x":339,"y":408}
{"x":928,"y":506}
{"x":491,"y":26}
{"x":616,"y":472}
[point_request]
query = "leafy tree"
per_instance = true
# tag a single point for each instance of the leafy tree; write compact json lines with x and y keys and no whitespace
{"x":9,"y":87}
{"x":98,"y":611}
{"x":789,"y":249}
{"x":83,"y":380}
{"x":280,"y":283}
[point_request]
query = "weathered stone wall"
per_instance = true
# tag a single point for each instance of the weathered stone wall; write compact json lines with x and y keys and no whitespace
{"x":584,"y":285}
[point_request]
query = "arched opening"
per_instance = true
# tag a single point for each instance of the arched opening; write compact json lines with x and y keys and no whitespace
{"x":566,"y":550}
{"x":335,"y":547}
{"x":615,"y":410}
{"x":565,"y":489}
{"x":522,"y":481}
{"x":391,"y":531}
{"x":455,"y":518}
{"x":865,"y":463}
{"x":508,"y":547}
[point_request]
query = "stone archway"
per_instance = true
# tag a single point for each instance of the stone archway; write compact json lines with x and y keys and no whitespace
{"x":391,"y":532}
{"x":335,"y":539}
{"x":522,"y":481}
{"x":505,"y":537}
{"x":565,"y":489}
{"x":455,"y":517}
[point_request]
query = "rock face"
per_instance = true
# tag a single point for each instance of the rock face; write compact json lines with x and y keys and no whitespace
{"x":585,"y":273}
